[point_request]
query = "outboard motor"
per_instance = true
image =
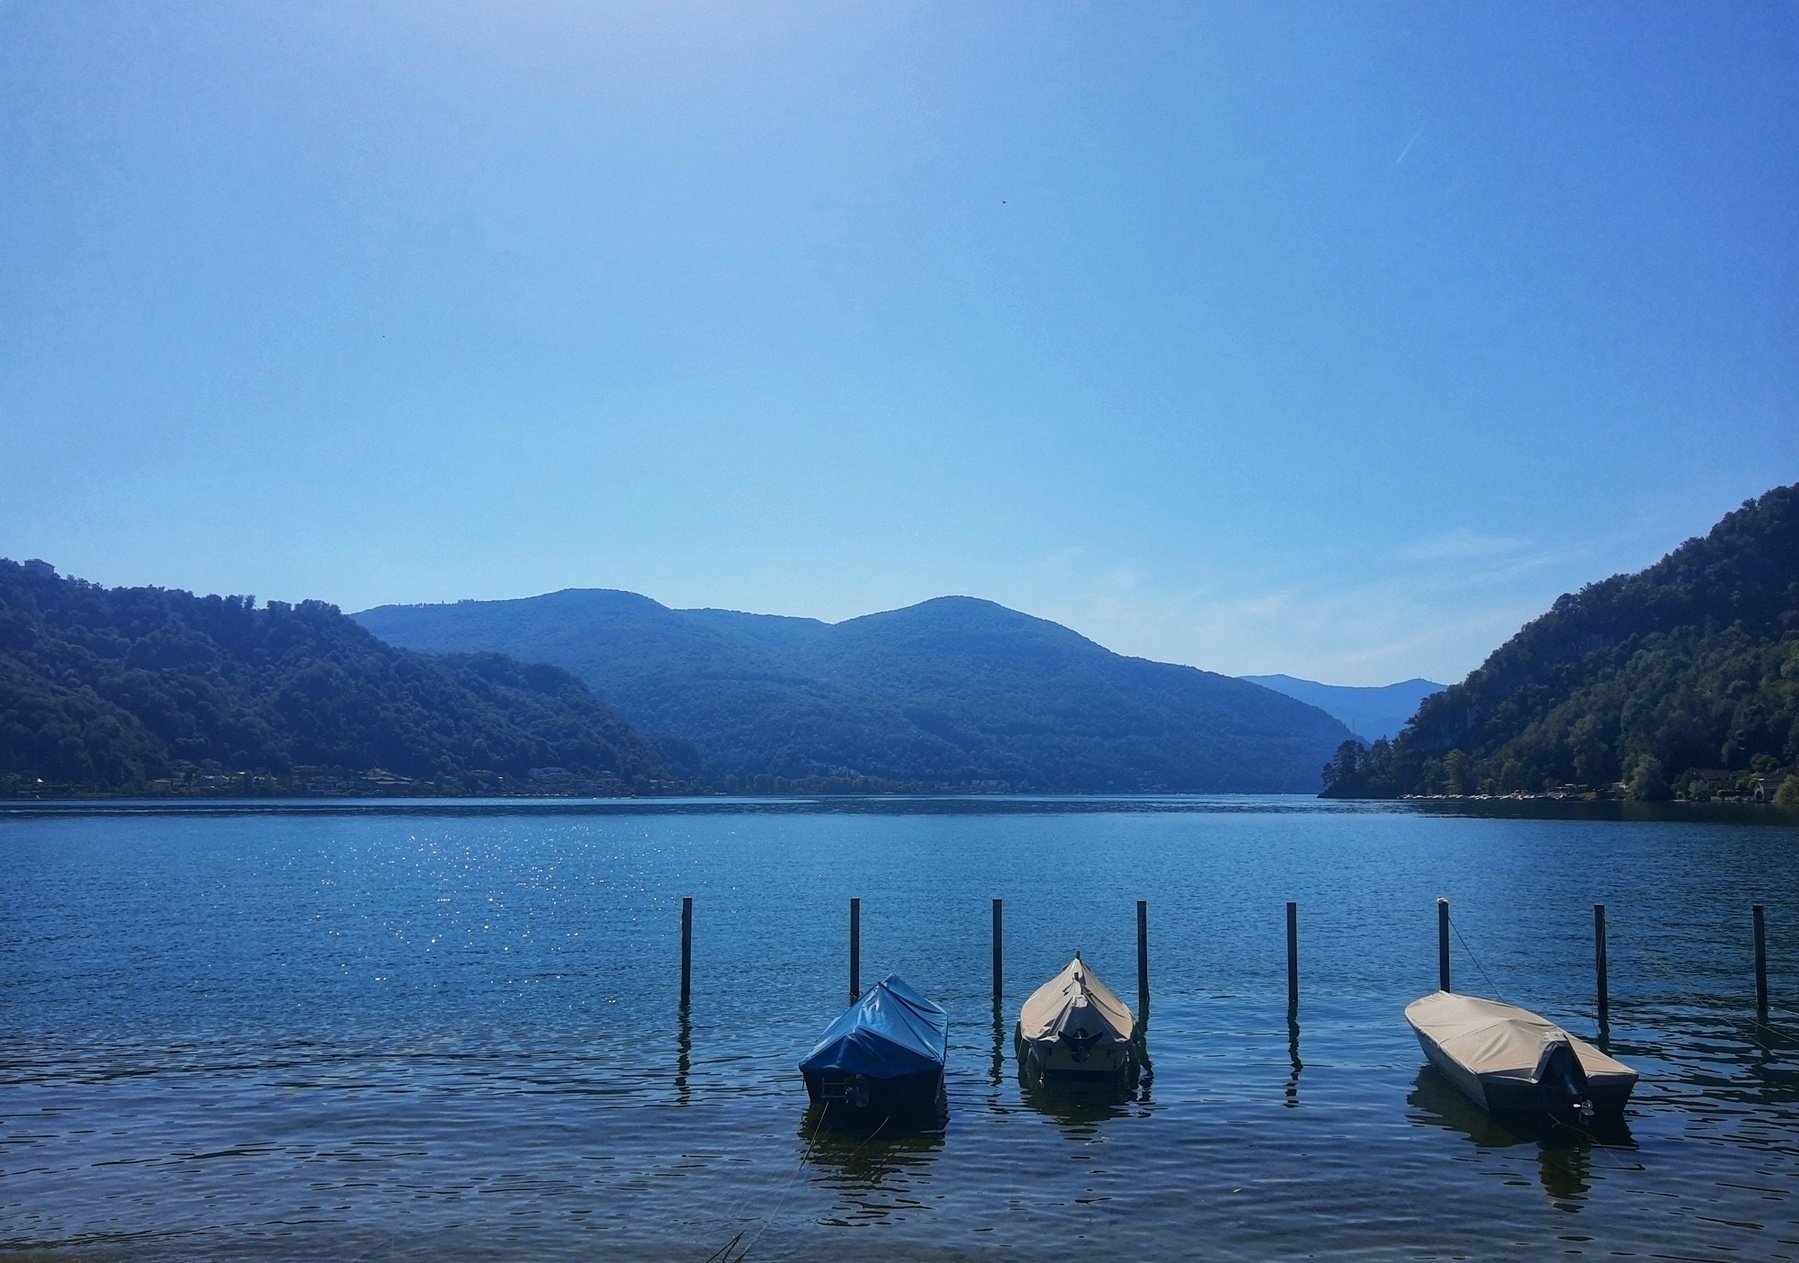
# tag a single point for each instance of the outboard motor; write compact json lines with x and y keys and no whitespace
{"x":1080,"y":1043}
{"x":1564,"y":1079}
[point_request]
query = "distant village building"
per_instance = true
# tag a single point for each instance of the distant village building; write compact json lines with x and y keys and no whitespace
{"x":1768,"y":785}
{"x":381,"y":778}
{"x":41,"y":568}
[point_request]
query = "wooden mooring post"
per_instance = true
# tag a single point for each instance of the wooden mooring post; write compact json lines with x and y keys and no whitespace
{"x":1292,"y":959}
{"x":998,"y":950}
{"x":1599,"y":962}
{"x":1761,"y":963}
{"x":855,"y":949}
{"x":1442,"y":945}
{"x":1142,"y":962}
{"x":686,"y":950}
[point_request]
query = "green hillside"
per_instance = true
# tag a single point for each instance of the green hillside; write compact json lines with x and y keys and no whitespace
{"x":952,"y":694}
{"x":114,"y":689}
{"x":1642,"y":680}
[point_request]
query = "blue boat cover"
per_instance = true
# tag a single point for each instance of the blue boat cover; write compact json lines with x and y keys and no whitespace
{"x":888,"y":1032}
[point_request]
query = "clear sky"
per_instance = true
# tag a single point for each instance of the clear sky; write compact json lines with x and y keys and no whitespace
{"x":1328,"y":339}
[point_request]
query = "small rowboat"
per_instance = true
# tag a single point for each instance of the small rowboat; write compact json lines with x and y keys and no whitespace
{"x":1074,"y":1030}
{"x":883,"y":1056}
{"x":1508,"y":1059}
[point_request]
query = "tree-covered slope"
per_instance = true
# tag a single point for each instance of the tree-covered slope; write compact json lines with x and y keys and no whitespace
{"x":118,"y":688}
{"x":1640,"y":679}
{"x":951,"y":694}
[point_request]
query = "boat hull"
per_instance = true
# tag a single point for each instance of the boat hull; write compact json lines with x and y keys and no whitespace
{"x":1513,"y":1082}
{"x":1511,"y":1094}
{"x":860,"y":1095}
{"x":1049,"y":1062}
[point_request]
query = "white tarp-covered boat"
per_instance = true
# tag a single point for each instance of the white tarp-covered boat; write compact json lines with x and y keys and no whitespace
{"x":1506,"y":1058}
{"x":1074,"y":1029}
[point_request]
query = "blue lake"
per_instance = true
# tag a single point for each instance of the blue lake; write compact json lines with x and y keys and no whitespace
{"x":452,"y":1031}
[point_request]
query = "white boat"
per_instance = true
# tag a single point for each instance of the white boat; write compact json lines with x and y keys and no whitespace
{"x":1508,"y":1059}
{"x":1074,"y":1030}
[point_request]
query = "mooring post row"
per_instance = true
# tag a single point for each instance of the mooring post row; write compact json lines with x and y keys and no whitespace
{"x":1292,"y":958}
{"x":1599,"y":961}
{"x":1142,"y":961}
{"x":998,"y":951}
{"x":1761,"y":962}
{"x":686,"y":950}
{"x":1443,"y":945}
{"x":855,"y":949}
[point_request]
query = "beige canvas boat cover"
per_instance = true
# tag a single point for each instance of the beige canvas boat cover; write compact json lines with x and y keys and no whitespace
{"x":1490,"y":1038}
{"x":1072,"y":998}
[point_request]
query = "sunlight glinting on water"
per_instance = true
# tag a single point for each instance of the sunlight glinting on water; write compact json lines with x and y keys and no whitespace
{"x":455,"y":1034}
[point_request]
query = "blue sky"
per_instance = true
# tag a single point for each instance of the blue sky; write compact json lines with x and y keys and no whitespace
{"x":1325,"y":339}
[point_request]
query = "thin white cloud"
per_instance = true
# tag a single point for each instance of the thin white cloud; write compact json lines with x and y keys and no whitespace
{"x":1437,"y":609}
{"x":1460,"y":544}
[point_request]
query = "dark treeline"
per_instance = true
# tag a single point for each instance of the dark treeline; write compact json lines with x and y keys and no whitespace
{"x":127,"y":689}
{"x":1652,"y":683}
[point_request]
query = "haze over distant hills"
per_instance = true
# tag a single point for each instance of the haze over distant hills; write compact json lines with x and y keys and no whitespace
{"x":1370,"y":713}
{"x":950,"y":694}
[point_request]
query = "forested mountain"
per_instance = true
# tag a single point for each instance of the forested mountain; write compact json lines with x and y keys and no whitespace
{"x":951,"y":694}
{"x":122,"y":688}
{"x":1642,"y":680}
{"x":1369,"y":712}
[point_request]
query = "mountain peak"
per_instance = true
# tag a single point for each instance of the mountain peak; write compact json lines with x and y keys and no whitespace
{"x":951,"y":693}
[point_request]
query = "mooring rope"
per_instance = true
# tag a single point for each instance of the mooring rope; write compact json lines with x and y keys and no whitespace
{"x":1454,"y":925}
{"x":1593,"y":1142}
{"x":1654,"y":962}
{"x":724,"y":1255}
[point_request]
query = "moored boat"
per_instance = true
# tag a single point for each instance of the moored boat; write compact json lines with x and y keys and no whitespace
{"x":1510,"y":1060}
{"x":883,"y":1056}
{"x":1073,"y":1030}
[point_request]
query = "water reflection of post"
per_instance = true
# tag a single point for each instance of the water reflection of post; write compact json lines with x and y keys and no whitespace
{"x":683,"y":1055}
{"x":1292,"y":1094}
{"x":999,"y":1054}
{"x":1292,"y":1101}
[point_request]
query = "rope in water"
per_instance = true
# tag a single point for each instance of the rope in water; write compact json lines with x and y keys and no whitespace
{"x":723,"y":1254}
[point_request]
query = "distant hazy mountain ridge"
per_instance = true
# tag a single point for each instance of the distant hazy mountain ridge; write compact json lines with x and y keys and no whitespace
{"x":146,"y":688}
{"x":1369,"y":712}
{"x":1659,"y":682}
{"x":950,"y":694}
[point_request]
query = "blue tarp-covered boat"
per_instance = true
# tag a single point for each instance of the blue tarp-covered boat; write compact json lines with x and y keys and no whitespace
{"x":883,"y":1055}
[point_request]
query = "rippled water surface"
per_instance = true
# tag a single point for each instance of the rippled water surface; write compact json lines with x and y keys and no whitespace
{"x":454,"y":1033}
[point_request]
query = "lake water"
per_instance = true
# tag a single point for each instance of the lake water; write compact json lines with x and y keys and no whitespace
{"x":452,"y":1032}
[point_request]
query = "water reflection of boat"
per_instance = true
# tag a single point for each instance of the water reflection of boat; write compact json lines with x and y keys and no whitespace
{"x":874,"y":1170}
{"x":883,"y":1056}
{"x":1508,"y":1059}
{"x":1073,"y":1033}
{"x":1079,"y":1109}
{"x":1564,"y":1161}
